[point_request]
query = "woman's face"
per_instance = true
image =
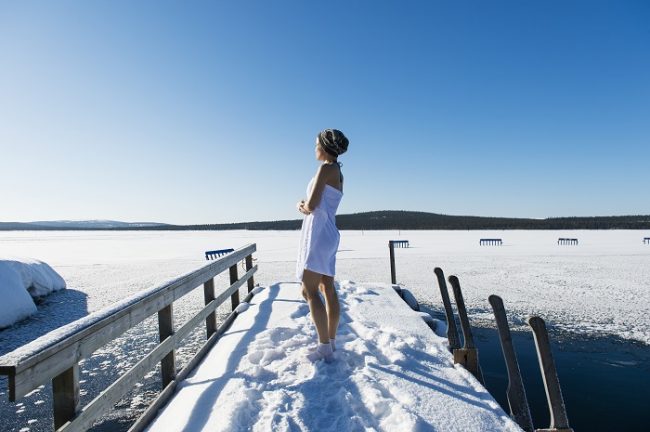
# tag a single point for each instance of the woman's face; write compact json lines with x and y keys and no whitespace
{"x":320,"y":153}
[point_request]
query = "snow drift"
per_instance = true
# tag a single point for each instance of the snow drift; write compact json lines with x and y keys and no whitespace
{"x":20,"y":282}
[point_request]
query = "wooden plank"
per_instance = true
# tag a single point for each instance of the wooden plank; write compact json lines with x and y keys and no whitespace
{"x":557,"y":409}
{"x":165,"y":330}
{"x":109,"y":397}
{"x":452,"y":331}
{"x":516,"y":393}
{"x":208,"y":296}
{"x":391,"y":250}
{"x":249,"y":265}
{"x":65,"y":396}
{"x":468,"y":355}
{"x":234,"y":299}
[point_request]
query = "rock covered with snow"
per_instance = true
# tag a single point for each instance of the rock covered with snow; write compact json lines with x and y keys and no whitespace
{"x":20,"y":282}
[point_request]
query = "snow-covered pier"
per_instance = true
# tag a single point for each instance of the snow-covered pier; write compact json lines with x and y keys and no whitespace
{"x":391,"y":371}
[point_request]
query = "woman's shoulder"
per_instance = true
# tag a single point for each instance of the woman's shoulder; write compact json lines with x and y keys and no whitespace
{"x":330,"y":167}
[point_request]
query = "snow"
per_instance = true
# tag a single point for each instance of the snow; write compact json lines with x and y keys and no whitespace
{"x":391,"y":372}
{"x":598,"y":288}
{"x":20,"y":280}
{"x":410,"y":299}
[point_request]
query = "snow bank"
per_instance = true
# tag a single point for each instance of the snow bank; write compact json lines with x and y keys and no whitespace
{"x":16,"y":303}
{"x":391,"y":373}
{"x":19,"y":282}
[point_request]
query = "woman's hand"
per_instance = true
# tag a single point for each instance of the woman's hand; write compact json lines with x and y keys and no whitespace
{"x":301,"y":207}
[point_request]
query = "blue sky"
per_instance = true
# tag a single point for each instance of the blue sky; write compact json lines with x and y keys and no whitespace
{"x":206,"y":112}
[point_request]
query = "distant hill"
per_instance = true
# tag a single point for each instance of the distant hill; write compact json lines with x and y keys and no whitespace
{"x":376,"y":220}
{"x":77,"y":225}
{"x":409,"y":220}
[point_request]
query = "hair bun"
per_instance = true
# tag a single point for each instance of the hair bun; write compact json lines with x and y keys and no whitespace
{"x":333,"y":142}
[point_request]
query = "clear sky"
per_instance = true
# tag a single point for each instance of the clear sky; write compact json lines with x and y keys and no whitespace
{"x":206,"y":112}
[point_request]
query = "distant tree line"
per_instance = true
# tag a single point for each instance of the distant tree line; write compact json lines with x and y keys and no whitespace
{"x":405,"y":220}
{"x":409,"y":220}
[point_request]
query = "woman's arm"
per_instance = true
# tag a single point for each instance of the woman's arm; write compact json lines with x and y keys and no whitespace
{"x":324,"y":171}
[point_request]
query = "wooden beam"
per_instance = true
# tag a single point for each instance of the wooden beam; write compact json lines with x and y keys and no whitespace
{"x":468,"y":355}
{"x":65,"y":396}
{"x":234,"y":299}
{"x":165,"y":330}
{"x":452,"y":331}
{"x":557,"y":409}
{"x":391,"y":251}
{"x":516,"y":393}
{"x":249,"y":265}
{"x":208,"y":296}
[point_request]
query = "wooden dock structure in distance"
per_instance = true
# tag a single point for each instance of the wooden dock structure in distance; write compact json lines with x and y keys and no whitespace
{"x":391,"y":250}
{"x":210,"y":255}
{"x":400,"y":243}
{"x":567,"y":241}
{"x":490,"y":242}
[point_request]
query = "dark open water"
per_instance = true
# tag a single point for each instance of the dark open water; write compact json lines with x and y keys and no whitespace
{"x":605,"y":380}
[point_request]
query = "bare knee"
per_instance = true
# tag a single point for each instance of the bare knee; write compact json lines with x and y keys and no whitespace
{"x":327,"y":287}
{"x":310,"y":283}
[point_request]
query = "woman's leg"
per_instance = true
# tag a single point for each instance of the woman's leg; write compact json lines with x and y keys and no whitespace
{"x":310,"y":282}
{"x":332,"y":303}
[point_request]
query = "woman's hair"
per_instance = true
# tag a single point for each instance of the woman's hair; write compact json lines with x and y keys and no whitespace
{"x":333,"y":142}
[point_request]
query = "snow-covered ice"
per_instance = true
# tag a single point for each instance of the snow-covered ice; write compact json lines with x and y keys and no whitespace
{"x":599,"y":287}
{"x":20,"y":281}
{"x":391,"y":372}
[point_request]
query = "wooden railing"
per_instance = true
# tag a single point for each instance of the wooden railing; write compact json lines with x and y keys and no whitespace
{"x":57,"y":358}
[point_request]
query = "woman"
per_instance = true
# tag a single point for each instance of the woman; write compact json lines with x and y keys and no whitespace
{"x":320,"y":240}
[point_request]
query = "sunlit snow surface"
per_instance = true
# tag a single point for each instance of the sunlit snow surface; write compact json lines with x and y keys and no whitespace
{"x":599,"y":286}
{"x":390,"y":373}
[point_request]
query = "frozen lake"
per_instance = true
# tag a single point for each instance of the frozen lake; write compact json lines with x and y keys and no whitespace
{"x":599,"y":288}
{"x":602,"y":285}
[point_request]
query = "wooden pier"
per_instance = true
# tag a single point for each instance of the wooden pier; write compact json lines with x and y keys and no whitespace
{"x":57,"y":360}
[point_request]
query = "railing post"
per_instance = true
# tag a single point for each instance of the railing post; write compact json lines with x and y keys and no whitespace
{"x":208,"y":296}
{"x":391,"y":248}
{"x":65,"y":396}
{"x":249,"y":265}
{"x":234,"y":298}
{"x":165,"y":330}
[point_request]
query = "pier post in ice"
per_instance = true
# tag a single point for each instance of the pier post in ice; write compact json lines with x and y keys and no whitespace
{"x":559,"y":420}
{"x":516,"y":393}
{"x":391,"y":249}
{"x":452,"y":331}
{"x":468,"y":354}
